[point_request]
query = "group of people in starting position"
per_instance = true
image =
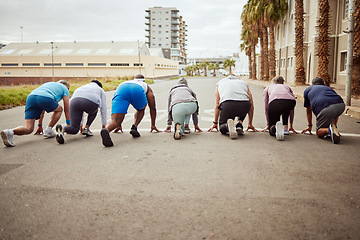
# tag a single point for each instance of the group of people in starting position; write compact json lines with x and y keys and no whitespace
{"x":233,"y":101}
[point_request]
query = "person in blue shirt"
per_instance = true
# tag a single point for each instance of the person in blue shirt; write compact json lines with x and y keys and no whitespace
{"x":327,"y":106}
{"x":43,"y":98}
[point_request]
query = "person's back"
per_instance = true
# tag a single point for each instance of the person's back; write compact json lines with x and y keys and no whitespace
{"x":89,"y":91}
{"x":232,"y":88}
{"x":182,"y":93}
{"x":319,"y":97}
{"x":52,"y":90}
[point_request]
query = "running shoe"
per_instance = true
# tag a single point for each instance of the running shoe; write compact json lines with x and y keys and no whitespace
{"x":7,"y":138}
{"x":286,"y":130}
{"x":49,"y":134}
{"x":87,"y":132}
{"x":187,"y":129}
{"x":106,"y":140}
{"x":232,"y":131}
{"x":60,"y":134}
{"x":279,"y":131}
{"x":334,"y":133}
{"x":134,"y":132}
{"x":239,"y":128}
{"x":177,"y":132}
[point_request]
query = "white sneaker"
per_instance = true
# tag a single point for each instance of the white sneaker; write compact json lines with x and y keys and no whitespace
{"x":232,"y":131}
{"x":60,"y":134}
{"x":286,"y":130}
{"x":49,"y":134}
{"x":87,"y":132}
{"x":7,"y":138}
{"x":177,"y":133}
{"x":279,"y":131}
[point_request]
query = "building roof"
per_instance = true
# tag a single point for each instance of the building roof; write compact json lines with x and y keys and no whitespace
{"x":74,"y":48}
{"x":156,"y":52}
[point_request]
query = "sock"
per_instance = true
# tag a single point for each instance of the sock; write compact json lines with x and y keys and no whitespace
{"x":11,"y":131}
{"x":48,"y":129}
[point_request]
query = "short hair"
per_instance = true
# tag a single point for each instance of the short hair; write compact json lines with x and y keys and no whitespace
{"x":97,"y":82}
{"x":183,"y":81}
{"x":64,"y":82}
{"x":278,"y":80}
{"x":318,"y":81}
{"x":139,"y":77}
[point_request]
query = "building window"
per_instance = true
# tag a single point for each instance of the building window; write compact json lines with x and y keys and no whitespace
{"x":31,"y":64}
{"x":159,"y":26}
{"x":159,"y":32}
{"x":50,"y":64}
{"x":119,"y":64}
{"x":346,"y":10}
{"x":9,"y":64}
{"x":74,"y":64}
{"x":343,"y":60}
{"x":96,"y":64}
{"x":137,"y":64}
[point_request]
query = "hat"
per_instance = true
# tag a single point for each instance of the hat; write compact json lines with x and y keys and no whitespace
{"x":318,"y":81}
{"x":182,"y":81}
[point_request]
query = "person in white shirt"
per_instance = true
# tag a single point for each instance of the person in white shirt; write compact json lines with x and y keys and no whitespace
{"x":233,"y":99}
{"x":88,"y":98}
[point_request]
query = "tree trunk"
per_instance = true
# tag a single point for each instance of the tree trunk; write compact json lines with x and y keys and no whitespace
{"x":299,"y":43}
{"x":253,"y":62}
{"x":323,"y":41}
{"x":266,"y":54}
{"x":248,"y":53}
{"x":272,"y":61}
{"x":356,"y":51}
{"x":262,"y":71}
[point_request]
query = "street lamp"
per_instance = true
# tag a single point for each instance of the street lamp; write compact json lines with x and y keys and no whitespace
{"x":21,"y":28}
{"x":52,"y":59}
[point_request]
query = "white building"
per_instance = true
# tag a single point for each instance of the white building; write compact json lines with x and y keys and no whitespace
{"x":166,"y":29}
{"x":41,"y":62}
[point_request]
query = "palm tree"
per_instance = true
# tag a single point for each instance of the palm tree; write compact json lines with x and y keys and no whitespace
{"x":228,"y":63}
{"x":197,"y":68}
{"x":299,"y":43}
{"x":323,"y":41}
{"x":356,"y":51}
{"x":188,"y":70}
{"x":204,"y":66}
{"x":214,"y":66}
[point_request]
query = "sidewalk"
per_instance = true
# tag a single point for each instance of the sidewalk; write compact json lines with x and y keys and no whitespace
{"x":352,"y":111}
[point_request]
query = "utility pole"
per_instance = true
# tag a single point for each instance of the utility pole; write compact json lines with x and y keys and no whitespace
{"x":139,"y":57}
{"x":349,"y":63}
{"x":52,"y":59}
{"x":21,"y":28}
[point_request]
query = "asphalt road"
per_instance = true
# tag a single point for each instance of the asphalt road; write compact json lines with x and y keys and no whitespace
{"x":205,"y":186}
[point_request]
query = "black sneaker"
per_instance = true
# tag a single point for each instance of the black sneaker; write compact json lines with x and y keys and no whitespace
{"x":60,"y":134}
{"x":239,"y":129}
{"x":334,"y":133}
{"x":177,"y":132}
{"x":134,"y":132}
{"x":106,"y":140}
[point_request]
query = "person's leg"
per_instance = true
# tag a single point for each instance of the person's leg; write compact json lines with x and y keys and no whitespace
{"x":274,"y":113}
{"x":138,"y":116}
{"x":227,"y":111}
{"x":55,"y":116}
{"x":179,"y":112}
{"x":116,"y":121}
{"x":25,"y":130}
{"x":76,"y":115}
{"x":326,"y":121}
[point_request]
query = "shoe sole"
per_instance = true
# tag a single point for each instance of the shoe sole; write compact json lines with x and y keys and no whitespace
{"x":279,"y":131}
{"x":232,"y":132}
{"x":106,"y":140}
{"x":134,"y":133}
{"x":240,"y":131}
{"x":335,"y":136}
{"x":177,"y":134}
{"x":60,"y":134}
{"x":5,"y":140}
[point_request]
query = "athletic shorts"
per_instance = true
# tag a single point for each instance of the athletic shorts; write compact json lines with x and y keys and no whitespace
{"x":35,"y":104}
{"x":126,"y":94}
{"x":328,"y":114}
{"x":232,"y":108}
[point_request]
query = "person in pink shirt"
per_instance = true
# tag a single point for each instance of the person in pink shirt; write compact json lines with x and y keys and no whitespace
{"x":279,"y":101}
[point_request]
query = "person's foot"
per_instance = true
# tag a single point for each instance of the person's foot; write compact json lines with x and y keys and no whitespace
{"x":286,"y":130}
{"x":272,"y":130}
{"x":60,"y":134}
{"x":49,"y":134}
{"x":7,"y":138}
{"x":231,"y":127}
{"x":186,"y":129}
{"x":87,"y":132}
{"x":177,"y":132}
{"x":134,"y":132}
{"x":334,"y":133}
{"x":239,"y":128}
{"x":279,"y":131}
{"x":106,"y":140}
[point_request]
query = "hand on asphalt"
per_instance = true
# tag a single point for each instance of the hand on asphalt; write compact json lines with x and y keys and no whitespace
{"x":118,"y":129}
{"x":214,"y":126}
{"x":252,"y":128}
{"x":168,"y":129}
{"x":39,"y":131}
{"x":308,"y":129}
{"x":197,"y":128}
{"x":154,"y":128}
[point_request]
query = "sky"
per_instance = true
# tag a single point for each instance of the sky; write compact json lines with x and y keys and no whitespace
{"x":213,"y":25}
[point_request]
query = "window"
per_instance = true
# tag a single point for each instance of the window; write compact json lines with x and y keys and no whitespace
{"x":96,"y":64}
{"x":159,"y":32}
{"x":159,"y":26}
{"x":50,"y":64}
{"x":137,"y":64}
{"x":25,"y":51}
{"x":343,"y":60}
{"x":160,"y":19}
{"x":346,"y":9}
{"x":74,"y":64}
{"x":9,"y":64}
{"x":31,"y":64}
{"x":119,"y":64}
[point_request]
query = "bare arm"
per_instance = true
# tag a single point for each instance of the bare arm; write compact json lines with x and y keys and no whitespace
{"x":66,"y":107}
{"x":251,"y":113}
{"x":40,"y":128}
{"x":216,"y":112}
{"x":309,"y":119}
{"x":152,"y":105}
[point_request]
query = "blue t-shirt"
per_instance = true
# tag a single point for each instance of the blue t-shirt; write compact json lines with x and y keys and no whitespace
{"x":52,"y":90}
{"x":319,"y":97}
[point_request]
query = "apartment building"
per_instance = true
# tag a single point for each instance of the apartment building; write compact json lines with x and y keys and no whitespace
{"x":166,"y":29}
{"x":285,"y":41}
